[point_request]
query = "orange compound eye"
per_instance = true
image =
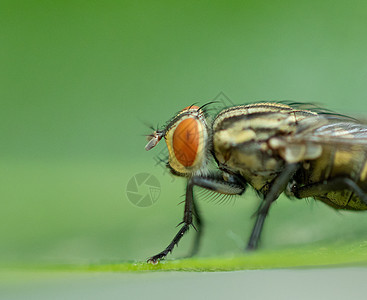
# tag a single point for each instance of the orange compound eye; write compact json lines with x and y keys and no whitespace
{"x":185,"y":141}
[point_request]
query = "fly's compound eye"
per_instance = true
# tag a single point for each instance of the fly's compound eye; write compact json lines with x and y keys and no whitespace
{"x":186,"y":141}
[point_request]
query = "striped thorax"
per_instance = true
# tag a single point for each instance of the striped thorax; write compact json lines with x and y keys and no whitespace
{"x":246,"y":140}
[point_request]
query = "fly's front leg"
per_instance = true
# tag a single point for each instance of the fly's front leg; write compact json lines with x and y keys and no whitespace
{"x":199,"y":229}
{"x":210,"y":183}
{"x":187,"y":221}
{"x":277,"y":187}
{"x":233,"y":186}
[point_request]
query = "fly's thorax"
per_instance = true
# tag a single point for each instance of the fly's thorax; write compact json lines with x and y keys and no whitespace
{"x":244,"y":148}
{"x":256,"y":162}
{"x":187,"y":142}
{"x":260,"y":111}
{"x":241,"y":139}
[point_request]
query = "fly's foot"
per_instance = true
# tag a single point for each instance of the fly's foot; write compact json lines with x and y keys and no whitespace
{"x":156,"y":258}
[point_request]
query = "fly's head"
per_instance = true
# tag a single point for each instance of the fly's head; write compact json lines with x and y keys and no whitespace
{"x":186,"y":137}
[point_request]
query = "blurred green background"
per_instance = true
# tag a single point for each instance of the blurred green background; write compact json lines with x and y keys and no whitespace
{"x":79,"y":79}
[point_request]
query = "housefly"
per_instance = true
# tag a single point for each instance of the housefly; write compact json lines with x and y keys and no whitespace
{"x":297,"y":149}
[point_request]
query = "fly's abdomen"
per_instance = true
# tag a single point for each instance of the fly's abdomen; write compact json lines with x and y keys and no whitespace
{"x":339,"y":161}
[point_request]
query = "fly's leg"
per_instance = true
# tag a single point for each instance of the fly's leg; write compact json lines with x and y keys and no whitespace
{"x":235,"y":186}
{"x":187,"y":221}
{"x":334,"y":184}
{"x":199,"y":229}
{"x":210,"y":183}
{"x":277,"y":187}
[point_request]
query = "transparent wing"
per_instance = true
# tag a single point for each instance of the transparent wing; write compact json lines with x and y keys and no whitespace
{"x":338,"y":132}
{"x":314,"y":133}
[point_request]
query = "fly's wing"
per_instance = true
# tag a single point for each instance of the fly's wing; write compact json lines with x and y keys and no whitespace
{"x":341,"y":132}
{"x":315,"y":132}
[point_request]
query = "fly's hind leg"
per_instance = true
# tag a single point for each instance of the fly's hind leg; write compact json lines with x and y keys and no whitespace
{"x":334,"y":184}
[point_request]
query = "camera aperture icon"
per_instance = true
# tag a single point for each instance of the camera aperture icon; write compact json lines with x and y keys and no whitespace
{"x":143,"y":189}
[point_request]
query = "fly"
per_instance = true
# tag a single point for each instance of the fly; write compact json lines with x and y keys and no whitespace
{"x":274,"y":148}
